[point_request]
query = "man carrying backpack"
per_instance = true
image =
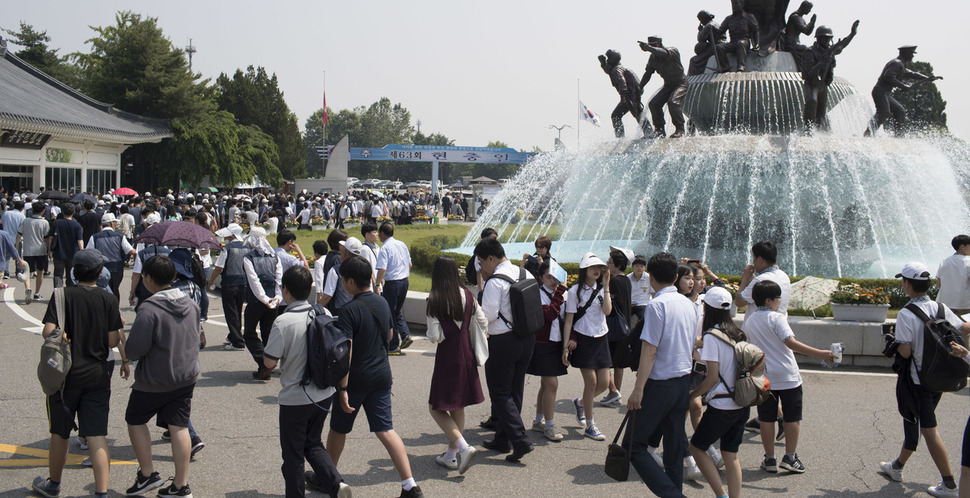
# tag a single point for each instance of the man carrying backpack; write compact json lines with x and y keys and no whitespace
{"x":301,"y":416}
{"x":911,"y":396}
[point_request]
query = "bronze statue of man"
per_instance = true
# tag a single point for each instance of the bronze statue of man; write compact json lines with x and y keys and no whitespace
{"x":627,"y":85}
{"x":745,"y":35}
{"x":665,"y":61}
{"x":708,"y":36}
{"x":891,"y":77}
{"x":818,"y":72}
{"x":795,"y":28}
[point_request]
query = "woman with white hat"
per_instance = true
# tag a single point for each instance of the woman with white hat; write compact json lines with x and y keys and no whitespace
{"x":587,"y":305}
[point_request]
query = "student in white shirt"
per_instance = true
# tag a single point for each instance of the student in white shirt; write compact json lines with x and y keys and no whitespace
{"x":587,"y":305}
{"x":763,"y":267}
{"x":768,"y":329}
{"x":953,"y":277}
{"x":320,"y":250}
{"x":724,"y":419}
{"x":642,"y":292}
{"x":546,"y":361}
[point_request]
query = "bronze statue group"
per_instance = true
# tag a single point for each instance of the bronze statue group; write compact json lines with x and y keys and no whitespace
{"x":738,"y":35}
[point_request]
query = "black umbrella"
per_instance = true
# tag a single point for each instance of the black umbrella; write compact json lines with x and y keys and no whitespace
{"x":179,"y":234}
{"x":55,"y":195}
{"x":83,"y":197}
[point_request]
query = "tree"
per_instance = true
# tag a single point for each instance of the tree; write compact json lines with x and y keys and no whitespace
{"x":380,"y":124}
{"x":255,"y":99}
{"x":497,"y":171}
{"x":37,"y":53}
{"x":924,"y":104}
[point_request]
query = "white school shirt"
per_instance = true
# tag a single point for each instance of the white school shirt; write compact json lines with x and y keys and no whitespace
{"x":318,"y":276}
{"x":727,"y":366}
{"x":909,"y":329}
{"x":642,"y":291}
{"x":593,"y":322}
{"x":369,"y":253}
{"x":395,"y":259}
{"x":769,"y":329}
{"x":670,"y":324}
{"x":954,"y":274}
{"x":545,"y":295}
{"x":495,"y":298}
{"x":776,"y":275}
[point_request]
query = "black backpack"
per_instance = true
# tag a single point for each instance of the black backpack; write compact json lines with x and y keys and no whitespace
{"x":527,"y":318}
{"x":327,"y":350}
{"x":940,"y":371}
{"x":470,"y":274}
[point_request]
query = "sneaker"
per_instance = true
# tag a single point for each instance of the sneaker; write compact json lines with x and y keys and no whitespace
{"x":894,"y":474}
{"x":144,"y":483}
{"x":753,"y":425}
{"x":262,"y":374}
{"x":28,"y":297}
{"x":86,"y":462}
{"x":692,"y":473}
{"x":769,"y":464}
{"x":312,"y":483}
{"x":406,"y":342}
{"x":395,"y":352}
{"x":552,"y":433}
{"x":167,"y":435}
{"x":173,"y":491}
{"x":197,"y":446}
{"x":465,"y":458}
{"x":941,"y":490}
{"x":781,"y":431}
{"x":716,"y":456}
{"x":448,"y":463}
{"x":44,"y":487}
{"x":230,"y":347}
{"x":38,"y":296}
{"x":414,"y":492}
{"x":612,"y":398}
{"x":344,"y":491}
{"x":580,"y":411}
{"x":792,"y":464}
{"x":539,"y":426}
{"x":82,"y":442}
{"x":655,"y":453}
{"x":593,"y":433}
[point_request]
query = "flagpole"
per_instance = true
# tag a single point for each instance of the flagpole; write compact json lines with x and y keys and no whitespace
{"x":324,"y":121}
{"x":577,"y":115}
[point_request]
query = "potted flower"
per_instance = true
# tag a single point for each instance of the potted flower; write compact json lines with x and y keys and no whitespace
{"x":854,"y":303}
{"x":421,"y":218}
{"x":384,"y":219}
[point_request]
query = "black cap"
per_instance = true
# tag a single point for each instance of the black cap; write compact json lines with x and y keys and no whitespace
{"x":91,"y":258}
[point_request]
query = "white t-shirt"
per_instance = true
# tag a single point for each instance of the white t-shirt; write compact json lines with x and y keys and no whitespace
{"x":909,"y":329}
{"x":774,"y":274}
{"x":642,"y":291}
{"x":593,"y":322}
{"x":954,"y":275}
{"x":769,"y":330}
{"x":330,"y":287}
{"x":727,"y":366}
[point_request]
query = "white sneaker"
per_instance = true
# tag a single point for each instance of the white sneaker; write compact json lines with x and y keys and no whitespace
{"x":692,"y":473}
{"x":82,"y":442}
{"x":465,"y":458}
{"x":942,"y":491}
{"x":344,"y":491}
{"x":552,"y":433}
{"x":539,"y":426}
{"x":86,"y":462}
{"x":448,"y":463}
{"x":894,"y":474}
{"x":716,"y":456}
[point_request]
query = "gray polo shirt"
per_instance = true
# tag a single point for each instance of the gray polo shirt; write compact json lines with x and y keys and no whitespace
{"x":287,"y":343}
{"x":33,"y":230}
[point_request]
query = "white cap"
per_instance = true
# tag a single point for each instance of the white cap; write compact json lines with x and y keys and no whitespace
{"x":258,"y":232}
{"x":100,"y":202}
{"x":148,"y":194}
{"x":234,"y":229}
{"x":170,"y":197}
{"x":590,"y":259}
{"x":353,"y":245}
{"x":718,"y":298}
{"x":626,"y":252}
{"x":915,"y":271}
{"x":301,"y":198}
{"x":108,"y":219}
{"x":153,"y":219}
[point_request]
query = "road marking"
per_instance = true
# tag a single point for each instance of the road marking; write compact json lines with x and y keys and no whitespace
{"x":41,"y":457}
{"x":857,"y":374}
{"x":10,"y":298}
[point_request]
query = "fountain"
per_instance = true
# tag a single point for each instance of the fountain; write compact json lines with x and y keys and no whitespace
{"x":836,"y":204}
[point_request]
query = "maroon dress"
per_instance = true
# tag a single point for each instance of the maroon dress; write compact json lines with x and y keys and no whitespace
{"x":454,"y":382}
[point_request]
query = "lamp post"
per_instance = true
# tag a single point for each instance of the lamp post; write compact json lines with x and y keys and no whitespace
{"x":559,"y":129}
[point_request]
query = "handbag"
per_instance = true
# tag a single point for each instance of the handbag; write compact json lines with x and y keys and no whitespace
{"x":478,"y":335}
{"x":618,"y":456}
{"x":55,"y":353}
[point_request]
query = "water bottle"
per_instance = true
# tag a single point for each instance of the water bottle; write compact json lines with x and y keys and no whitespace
{"x":837,"y":353}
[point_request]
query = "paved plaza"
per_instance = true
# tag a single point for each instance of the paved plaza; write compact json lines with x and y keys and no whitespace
{"x":850,"y":425}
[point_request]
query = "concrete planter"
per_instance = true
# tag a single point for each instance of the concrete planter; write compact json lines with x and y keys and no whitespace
{"x":860,"y":312}
{"x":318,"y":227}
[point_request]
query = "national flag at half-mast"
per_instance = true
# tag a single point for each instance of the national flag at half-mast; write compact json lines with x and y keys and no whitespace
{"x":588,"y":115}
{"x":326,"y":117}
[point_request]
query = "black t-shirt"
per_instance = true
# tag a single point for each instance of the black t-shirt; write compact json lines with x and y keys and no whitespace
{"x":621,"y":294}
{"x":369,"y":368}
{"x":91,"y":224}
{"x":67,"y":232}
{"x":91,"y":313}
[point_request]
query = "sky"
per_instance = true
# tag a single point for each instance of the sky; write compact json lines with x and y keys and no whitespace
{"x":481,"y":71}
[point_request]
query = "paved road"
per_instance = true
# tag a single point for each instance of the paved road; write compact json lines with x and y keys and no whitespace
{"x":850,"y":425}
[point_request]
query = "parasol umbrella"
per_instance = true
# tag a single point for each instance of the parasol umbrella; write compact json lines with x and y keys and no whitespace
{"x":54,"y":195}
{"x":124,"y":191}
{"x":83,"y":197}
{"x":811,"y":292}
{"x":179,"y":234}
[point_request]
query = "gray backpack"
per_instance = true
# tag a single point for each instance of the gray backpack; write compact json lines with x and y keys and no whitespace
{"x":751,"y":388}
{"x":55,"y":353}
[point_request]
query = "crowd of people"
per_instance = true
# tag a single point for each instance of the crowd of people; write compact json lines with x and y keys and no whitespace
{"x":678,"y":313}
